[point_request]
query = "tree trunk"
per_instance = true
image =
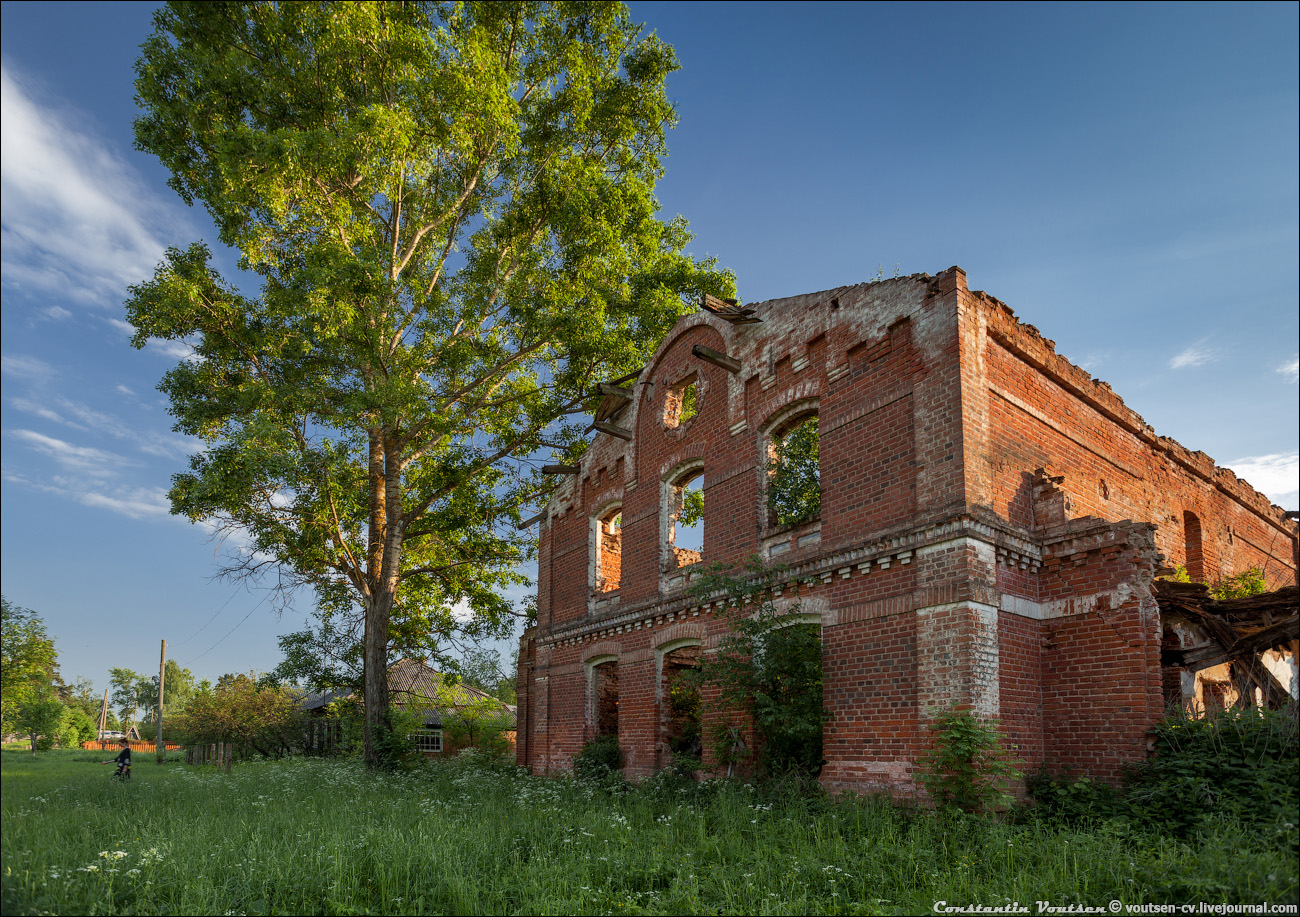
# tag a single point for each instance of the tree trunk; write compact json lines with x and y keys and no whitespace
{"x":375,"y":687}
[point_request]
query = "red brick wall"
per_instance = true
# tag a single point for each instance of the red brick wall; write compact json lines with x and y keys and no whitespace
{"x":945,"y":567}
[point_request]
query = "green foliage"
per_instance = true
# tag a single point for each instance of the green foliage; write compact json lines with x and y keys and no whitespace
{"x":472,"y":835}
{"x":600,"y":760}
{"x":1241,"y":763}
{"x":692,"y":512}
{"x":1068,"y":800}
{"x":1246,"y":583}
{"x":966,"y":767}
{"x":1180,"y":575}
{"x":75,"y":727}
{"x":794,"y":493}
{"x":767,"y":670}
{"x":28,"y":662}
{"x":262,"y":719}
{"x":450,"y":211}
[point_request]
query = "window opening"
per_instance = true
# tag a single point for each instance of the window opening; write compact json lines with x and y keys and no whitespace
{"x":681,"y":402}
{"x":789,"y":713}
{"x":607,"y":699}
{"x":686,"y":533}
{"x":684,"y":735}
{"x":609,"y":551}
{"x":427,"y":740}
{"x":1192,"y":547}
{"x":794,"y":486}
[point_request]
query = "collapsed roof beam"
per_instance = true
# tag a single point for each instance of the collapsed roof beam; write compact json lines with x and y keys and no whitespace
{"x":717,"y":358}
{"x":612,"y":430}
{"x":560,"y":469}
{"x":614,"y":391}
{"x":527,"y":523}
{"x":728,"y":309}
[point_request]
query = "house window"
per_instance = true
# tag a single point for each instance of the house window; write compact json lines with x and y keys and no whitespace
{"x":681,"y":402}
{"x":685,"y":537}
{"x":794,"y":487}
{"x":427,"y":741}
{"x":609,"y":550}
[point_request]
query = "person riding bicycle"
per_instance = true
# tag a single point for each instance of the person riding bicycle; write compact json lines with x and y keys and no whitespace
{"x":123,"y":760}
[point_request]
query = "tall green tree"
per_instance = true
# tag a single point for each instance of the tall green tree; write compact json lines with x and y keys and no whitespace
{"x":28,"y":662}
{"x":127,"y":693}
{"x":448,"y":210}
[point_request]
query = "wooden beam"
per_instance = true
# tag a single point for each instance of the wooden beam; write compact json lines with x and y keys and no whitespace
{"x":612,"y":430}
{"x":527,"y":523}
{"x":614,"y":391}
{"x":714,"y":304}
{"x":717,"y":358}
{"x":560,"y":469}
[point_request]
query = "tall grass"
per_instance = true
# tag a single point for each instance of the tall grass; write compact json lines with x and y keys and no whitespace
{"x":459,"y":837}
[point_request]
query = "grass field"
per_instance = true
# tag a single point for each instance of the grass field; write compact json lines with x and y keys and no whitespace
{"x":322,"y":837}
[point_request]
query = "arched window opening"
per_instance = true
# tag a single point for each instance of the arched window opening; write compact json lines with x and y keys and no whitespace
{"x":788,"y":712}
{"x":682,"y":730}
{"x":794,"y":486}
{"x":681,"y":402}
{"x":606,"y":699}
{"x":609,"y":550}
{"x":1192,"y":551}
{"x":686,"y":520}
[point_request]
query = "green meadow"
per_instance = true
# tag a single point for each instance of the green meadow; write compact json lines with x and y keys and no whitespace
{"x":468,"y":836}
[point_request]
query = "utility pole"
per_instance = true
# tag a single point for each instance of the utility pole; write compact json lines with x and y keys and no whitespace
{"x":162,"y":670}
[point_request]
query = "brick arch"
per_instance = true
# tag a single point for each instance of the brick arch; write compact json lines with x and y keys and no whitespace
{"x":603,"y":648}
{"x":676,"y":633}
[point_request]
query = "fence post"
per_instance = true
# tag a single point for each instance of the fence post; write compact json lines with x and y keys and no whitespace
{"x":230,"y":756}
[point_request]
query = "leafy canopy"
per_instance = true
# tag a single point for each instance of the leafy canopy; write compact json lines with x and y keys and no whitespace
{"x":447,"y":211}
{"x":28,"y":663}
{"x":794,"y":491}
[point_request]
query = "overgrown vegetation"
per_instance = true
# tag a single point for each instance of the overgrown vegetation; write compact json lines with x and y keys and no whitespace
{"x":1238,"y":586}
{"x":767,"y":671}
{"x":1236,"y":765}
{"x":600,"y":760}
{"x":470,"y":836}
{"x":794,"y":489}
{"x":967,"y":767}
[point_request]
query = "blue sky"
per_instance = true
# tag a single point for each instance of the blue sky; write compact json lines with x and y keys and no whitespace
{"x":1123,"y":176}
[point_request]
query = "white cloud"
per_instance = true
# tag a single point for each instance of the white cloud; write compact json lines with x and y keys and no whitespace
{"x":25,"y":367}
{"x":133,"y":502}
{"x":77,"y":220}
{"x":1291,"y":370}
{"x":81,"y":459}
{"x":1275,"y":476}
{"x":122,"y":390}
{"x":1196,"y":355}
{"x":56,"y":313}
{"x":79,"y":416}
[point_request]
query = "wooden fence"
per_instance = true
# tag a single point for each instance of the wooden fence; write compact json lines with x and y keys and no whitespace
{"x":116,"y":745}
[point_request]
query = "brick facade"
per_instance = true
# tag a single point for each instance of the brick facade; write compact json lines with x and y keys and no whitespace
{"x":991,"y":521}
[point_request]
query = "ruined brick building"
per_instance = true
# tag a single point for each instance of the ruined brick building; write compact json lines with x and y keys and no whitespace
{"x":991,"y":522}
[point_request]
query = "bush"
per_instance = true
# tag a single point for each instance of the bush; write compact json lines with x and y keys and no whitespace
{"x":1073,"y":801}
{"x":967,"y":767}
{"x":1240,"y":763}
{"x":600,"y":759}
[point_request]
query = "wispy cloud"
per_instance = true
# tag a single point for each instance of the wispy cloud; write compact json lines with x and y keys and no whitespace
{"x":1196,"y":355}
{"x":81,"y":459}
{"x":81,"y":417}
{"x":1291,"y":369}
{"x":133,"y":502}
{"x":1275,"y":476}
{"x":25,"y":367}
{"x":77,"y":220}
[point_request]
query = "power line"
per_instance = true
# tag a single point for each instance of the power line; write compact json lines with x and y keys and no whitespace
{"x":209,"y":621}
{"x":228,"y":633}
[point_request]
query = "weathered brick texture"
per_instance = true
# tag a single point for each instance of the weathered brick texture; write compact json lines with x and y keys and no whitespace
{"x":991,"y":522}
